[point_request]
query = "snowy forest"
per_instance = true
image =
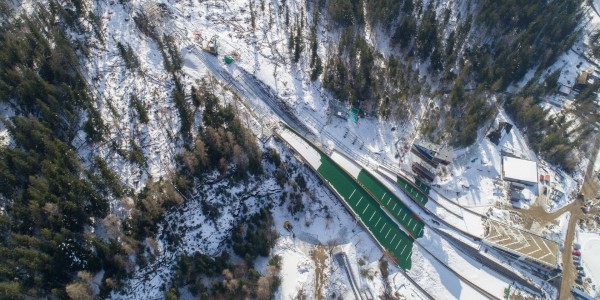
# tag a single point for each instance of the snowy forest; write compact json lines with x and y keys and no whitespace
{"x":63,"y":233}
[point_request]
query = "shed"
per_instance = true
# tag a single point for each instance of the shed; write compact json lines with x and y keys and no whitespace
{"x":564,"y":90}
{"x":583,"y":80}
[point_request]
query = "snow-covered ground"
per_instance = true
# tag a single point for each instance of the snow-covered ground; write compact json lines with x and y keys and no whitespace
{"x":475,"y":177}
{"x":558,"y":232}
{"x":340,"y":229}
{"x":437,"y":255}
{"x":197,"y":232}
{"x":260,"y":60}
{"x":444,"y":255}
{"x":590,"y":247}
{"x":297,"y":269}
{"x":597,"y":163}
{"x":467,"y":267}
{"x":5,"y":113}
{"x":327,"y":222}
{"x":113,"y":86}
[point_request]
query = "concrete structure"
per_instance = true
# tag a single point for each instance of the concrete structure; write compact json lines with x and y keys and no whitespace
{"x":538,"y":251}
{"x":519,"y":170}
{"x":422,"y":172}
{"x":432,"y":154}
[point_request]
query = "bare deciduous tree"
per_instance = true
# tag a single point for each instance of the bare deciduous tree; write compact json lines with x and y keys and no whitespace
{"x":79,"y":290}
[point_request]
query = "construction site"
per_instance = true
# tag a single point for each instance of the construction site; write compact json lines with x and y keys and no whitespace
{"x":523,"y":245}
{"x":378,"y":208}
{"x":423,"y":194}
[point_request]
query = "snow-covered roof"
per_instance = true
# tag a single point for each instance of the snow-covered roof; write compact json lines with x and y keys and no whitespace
{"x":563,"y":89}
{"x":516,"y":169}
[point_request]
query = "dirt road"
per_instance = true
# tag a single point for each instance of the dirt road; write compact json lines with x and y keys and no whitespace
{"x":569,"y":274}
{"x":319,"y":256}
{"x":590,"y":188}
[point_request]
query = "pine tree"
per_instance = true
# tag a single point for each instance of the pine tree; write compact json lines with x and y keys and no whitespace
{"x":317,"y":70}
{"x":287,"y":17}
{"x":291,"y":40}
{"x":297,"y":43}
{"x":436,"y":60}
{"x":252,"y":15}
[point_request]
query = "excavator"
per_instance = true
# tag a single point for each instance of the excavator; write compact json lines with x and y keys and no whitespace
{"x":213,"y":46}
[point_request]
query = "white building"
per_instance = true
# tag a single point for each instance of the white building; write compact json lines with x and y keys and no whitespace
{"x":519,"y":170}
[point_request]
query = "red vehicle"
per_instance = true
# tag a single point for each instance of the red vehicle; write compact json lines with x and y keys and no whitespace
{"x":575,"y":252}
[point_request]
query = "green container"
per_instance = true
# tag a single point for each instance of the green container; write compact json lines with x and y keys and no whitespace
{"x":228,"y":60}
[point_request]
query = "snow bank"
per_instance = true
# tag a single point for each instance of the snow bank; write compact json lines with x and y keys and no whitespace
{"x":312,"y":156}
{"x":351,"y":167}
{"x":297,"y":268}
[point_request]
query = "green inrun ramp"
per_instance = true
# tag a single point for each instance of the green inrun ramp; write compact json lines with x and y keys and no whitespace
{"x":394,"y":206}
{"x":422,"y":185}
{"x":397,"y":243}
{"x":412,"y":191}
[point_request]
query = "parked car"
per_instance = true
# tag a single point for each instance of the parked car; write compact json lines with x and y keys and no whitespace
{"x":576,"y":246}
{"x":579,"y":268}
{"x":576,"y":252}
{"x":581,"y":273}
{"x":579,"y":281}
